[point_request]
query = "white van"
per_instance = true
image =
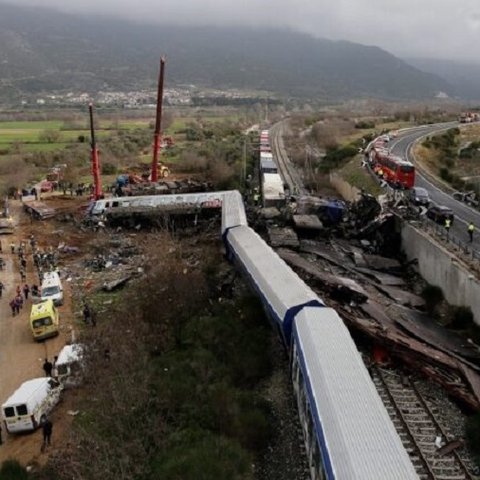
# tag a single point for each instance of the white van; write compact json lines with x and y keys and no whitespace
{"x":34,"y":398}
{"x":68,"y":369}
{"x":51,"y":288}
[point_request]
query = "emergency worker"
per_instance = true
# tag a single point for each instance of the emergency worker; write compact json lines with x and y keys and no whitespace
{"x":471,"y":229}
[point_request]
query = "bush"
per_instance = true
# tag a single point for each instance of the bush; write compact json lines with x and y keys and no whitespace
{"x":12,"y":470}
{"x":336,"y":157}
{"x":364,"y":124}
{"x":193,"y":454}
{"x":108,"y":168}
{"x":445,"y":174}
{"x":433,"y":297}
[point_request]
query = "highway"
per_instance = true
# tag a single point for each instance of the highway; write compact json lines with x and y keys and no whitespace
{"x":403,"y":146}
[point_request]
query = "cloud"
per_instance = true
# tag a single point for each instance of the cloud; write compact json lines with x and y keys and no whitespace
{"x":434,"y":28}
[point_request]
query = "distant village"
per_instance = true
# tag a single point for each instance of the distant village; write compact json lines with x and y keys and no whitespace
{"x":179,"y":96}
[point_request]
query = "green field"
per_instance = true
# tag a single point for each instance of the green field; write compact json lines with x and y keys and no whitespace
{"x":27,"y":135}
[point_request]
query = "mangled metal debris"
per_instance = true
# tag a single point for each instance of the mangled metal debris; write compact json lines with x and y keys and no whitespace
{"x":282,"y":237}
{"x":116,"y":284}
{"x":307,"y":222}
{"x":337,"y":286}
{"x":39,"y":210}
{"x":401,"y":296}
{"x":6,"y":226}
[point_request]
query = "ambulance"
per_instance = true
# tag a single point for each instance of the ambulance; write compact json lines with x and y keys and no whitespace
{"x":44,"y":320}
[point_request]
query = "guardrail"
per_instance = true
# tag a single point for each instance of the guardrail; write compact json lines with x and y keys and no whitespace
{"x":465,"y":250}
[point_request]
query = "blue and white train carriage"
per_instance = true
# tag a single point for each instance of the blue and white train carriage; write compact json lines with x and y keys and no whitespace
{"x":348,"y":433}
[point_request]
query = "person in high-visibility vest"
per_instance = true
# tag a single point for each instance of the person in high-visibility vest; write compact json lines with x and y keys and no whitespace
{"x":380,"y":173}
{"x":471,"y":229}
{"x":448,"y":224}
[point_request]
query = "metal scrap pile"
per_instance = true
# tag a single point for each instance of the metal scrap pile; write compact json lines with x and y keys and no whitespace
{"x":167,"y":187}
{"x":372,"y":297}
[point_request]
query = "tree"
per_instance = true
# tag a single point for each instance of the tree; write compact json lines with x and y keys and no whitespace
{"x":49,"y":135}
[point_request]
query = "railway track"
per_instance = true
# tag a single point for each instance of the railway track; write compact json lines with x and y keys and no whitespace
{"x":417,"y":427}
{"x":288,"y":172}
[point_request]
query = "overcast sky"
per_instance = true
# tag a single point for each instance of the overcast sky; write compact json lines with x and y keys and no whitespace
{"x":434,"y":28}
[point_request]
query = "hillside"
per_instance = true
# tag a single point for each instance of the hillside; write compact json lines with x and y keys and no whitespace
{"x":464,"y":77}
{"x":43,"y":50}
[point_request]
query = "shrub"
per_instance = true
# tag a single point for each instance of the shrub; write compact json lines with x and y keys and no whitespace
{"x":364,"y":124}
{"x":12,"y":470}
{"x":194,"y":454}
{"x":108,"y":168}
{"x":445,"y":174}
{"x":433,"y":297}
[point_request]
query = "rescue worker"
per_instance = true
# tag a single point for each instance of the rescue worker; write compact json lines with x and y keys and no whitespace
{"x":256,"y":197}
{"x":471,"y":229}
{"x":47,"y":428}
{"x":380,"y":173}
{"x":448,"y":224}
{"x":13,"y":306}
{"x":47,"y":368}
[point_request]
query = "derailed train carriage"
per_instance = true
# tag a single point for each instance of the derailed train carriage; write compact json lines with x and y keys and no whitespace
{"x":348,"y":433}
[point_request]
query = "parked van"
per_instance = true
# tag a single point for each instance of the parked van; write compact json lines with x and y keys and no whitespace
{"x":51,"y":288}
{"x":68,"y":369}
{"x":34,"y":398}
{"x":44,"y":320}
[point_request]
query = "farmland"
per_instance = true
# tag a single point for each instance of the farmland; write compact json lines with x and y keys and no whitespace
{"x":47,"y":136}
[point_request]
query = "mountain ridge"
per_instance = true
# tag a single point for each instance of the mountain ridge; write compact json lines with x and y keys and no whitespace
{"x":45,"y":50}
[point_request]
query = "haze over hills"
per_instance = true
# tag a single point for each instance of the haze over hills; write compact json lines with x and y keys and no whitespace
{"x":462,"y":76}
{"x":44,"y":50}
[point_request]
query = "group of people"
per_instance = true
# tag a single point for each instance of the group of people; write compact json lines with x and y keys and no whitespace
{"x":79,"y":189}
{"x":23,"y":290}
{"x":48,"y":367}
{"x":470,"y":228}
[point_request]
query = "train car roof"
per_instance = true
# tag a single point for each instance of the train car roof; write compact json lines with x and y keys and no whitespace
{"x":233,"y":211}
{"x":357,"y":439}
{"x":268,"y":165}
{"x":282,"y":289}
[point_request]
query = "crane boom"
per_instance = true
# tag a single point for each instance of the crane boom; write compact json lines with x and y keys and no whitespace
{"x":95,"y":163}
{"x":158,"y":122}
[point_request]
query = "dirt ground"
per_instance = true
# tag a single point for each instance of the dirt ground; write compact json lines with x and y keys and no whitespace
{"x":21,"y":358}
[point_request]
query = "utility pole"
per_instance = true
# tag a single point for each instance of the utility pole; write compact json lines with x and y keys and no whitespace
{"x":158,"y":122}
{"x":244,"y":163}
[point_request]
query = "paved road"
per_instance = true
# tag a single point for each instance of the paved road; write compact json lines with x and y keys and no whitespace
{"x":402,"y":145}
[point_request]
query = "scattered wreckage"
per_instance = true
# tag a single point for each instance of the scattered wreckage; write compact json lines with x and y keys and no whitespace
{"x":353,"y":261}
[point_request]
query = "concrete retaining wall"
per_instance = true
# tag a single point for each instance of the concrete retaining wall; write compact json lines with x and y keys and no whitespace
{"x":439,"y":267}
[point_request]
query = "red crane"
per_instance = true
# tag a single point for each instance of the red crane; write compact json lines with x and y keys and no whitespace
{"x":158,"y":122}
{"x":97,"y":181}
